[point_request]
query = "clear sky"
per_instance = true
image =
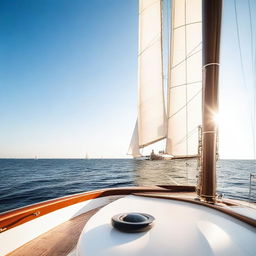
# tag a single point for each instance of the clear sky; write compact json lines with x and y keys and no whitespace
{"x":68,"y":78}
{"x":238,"y":80}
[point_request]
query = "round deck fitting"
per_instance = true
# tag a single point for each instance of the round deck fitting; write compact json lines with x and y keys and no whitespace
{"x":132,"y":222}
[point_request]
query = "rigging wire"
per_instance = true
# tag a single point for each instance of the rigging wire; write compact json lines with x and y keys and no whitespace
{"x":243,"y":67}
{"x":239,"y":43}
{"x":168,"y":45}
{"x":251,"y":30}
{"x":253,"y":56}
{"x":168,"y":37}
{"x":166,"y":24}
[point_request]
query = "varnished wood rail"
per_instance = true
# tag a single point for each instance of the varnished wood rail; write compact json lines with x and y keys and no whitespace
{"x":19,"y":216}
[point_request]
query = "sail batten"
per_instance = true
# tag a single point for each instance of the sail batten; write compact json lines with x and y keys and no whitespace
{"x":151,"y":107}
{"x":185,"y":79}
{"x":152,"y":142}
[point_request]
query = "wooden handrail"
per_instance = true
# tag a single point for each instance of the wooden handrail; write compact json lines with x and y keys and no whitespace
{"x":22,"y":215}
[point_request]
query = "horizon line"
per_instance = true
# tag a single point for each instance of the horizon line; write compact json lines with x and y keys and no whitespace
{"x":81,"y":158}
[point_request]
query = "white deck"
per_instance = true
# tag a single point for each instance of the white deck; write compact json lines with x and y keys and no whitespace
{"x":180,"y":229}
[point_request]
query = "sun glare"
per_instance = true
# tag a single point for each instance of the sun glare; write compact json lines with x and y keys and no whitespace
{"x":216,"y":118}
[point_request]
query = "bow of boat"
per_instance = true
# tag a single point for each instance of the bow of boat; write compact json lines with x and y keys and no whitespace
{"x":81,"y":224}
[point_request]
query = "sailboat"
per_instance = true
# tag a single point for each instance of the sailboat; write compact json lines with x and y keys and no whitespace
{"x":180,"y":127}
{"x":160,"y":220}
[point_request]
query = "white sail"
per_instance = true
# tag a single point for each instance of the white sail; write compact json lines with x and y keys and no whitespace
{"x":134,"y":149}
{"x":151,"y":108}
{"x":185,"y":78}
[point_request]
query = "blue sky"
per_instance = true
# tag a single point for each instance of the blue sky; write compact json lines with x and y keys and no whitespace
{"x":237,"y":94}
{"x":68,"y":78}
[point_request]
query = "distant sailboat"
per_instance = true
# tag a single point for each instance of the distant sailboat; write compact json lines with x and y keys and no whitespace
{"x":180,"y":123}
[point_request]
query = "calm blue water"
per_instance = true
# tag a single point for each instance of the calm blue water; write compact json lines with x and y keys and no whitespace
{"x":29,"y":181}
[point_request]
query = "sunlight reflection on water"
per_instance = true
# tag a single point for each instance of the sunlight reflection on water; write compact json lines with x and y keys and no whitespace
{"x":28,"y":181}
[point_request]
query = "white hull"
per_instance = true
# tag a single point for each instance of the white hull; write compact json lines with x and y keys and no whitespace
{"x":182,"y":224}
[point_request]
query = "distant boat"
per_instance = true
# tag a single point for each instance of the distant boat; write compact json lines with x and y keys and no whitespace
{"x":86,"y":156}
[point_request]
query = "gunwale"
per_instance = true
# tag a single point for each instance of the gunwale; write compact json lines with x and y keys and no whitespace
{"x":16,"y":217}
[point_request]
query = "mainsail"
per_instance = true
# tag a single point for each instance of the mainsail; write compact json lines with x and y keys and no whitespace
{"x":151,"y":108}
{"x":185,"y":78}
{"x":151,"y":123}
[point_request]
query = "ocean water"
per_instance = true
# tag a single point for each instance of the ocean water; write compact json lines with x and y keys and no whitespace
{"x":28,"y":181}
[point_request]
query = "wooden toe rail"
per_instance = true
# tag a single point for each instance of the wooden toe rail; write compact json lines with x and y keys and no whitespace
{"x":19,"y":216}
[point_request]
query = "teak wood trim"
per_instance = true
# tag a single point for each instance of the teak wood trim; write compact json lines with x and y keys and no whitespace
{"x":59,"y":241}
{"x":19,"y":216}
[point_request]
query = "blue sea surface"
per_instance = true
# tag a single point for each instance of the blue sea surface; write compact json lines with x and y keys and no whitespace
{"x":28,"y":181}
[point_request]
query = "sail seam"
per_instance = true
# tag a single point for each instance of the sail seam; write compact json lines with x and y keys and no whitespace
{"x":148,"y":7}
{"x":190,"y":134}
{"x":185,"y":104}
{"x":180,"y":85}
{"x":147,"y":144}
{"x":198,"y":51}
{"x":153,"y":41}
{"x":187,"y":24}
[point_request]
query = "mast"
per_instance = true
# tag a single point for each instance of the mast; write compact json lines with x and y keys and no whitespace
{"x":211,"y":17}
